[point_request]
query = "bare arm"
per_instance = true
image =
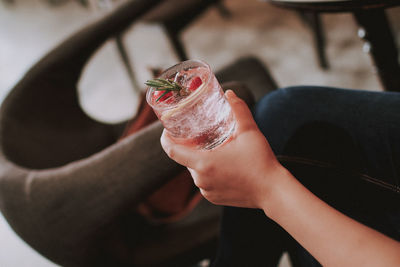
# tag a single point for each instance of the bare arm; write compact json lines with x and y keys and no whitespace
{"x":330,"y":236}
{"x":245,"y":173}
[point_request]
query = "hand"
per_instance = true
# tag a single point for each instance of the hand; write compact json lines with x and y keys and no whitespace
{"x":239,"y":172}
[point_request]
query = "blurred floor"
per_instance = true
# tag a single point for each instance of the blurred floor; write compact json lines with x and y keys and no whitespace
{"x":278,"y":37}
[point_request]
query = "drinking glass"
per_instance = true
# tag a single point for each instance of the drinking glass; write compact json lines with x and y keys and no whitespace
{"x":203,"y":118}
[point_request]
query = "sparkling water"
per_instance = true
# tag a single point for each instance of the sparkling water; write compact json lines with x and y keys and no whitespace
{"x":202,"y":118}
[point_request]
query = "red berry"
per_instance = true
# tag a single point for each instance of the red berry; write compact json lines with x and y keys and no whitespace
{"x":167,"y":96}
{"x":195,"y":83}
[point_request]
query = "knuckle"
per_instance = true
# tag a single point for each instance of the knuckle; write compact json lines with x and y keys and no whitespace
{"x":197,"y":182}
{"x":170,"y":151}
{"x":206,"y":194}
{"x":206,"y":186}
{"x":202,"y":184}
{"x":206,"y":168}
{"x":210,"y":197}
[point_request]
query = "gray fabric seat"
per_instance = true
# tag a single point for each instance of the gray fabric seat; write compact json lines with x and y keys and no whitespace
{"x":70,"y":190}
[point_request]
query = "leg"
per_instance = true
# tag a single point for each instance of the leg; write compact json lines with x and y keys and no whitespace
{"x":314,"y":22}
{"x":173,"y":36}
{"x":343,"y":145}
{"x":249,"y":238}
{"x":383,"y":47}
{"x":125,"y":60}
{"x":367,"y":119}
{"x":223,"y":10}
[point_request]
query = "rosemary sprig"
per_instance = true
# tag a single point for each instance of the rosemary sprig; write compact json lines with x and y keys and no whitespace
{"x":163,"y":85}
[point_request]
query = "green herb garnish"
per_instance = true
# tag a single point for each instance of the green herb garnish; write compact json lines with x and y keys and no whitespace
{"x":163,"y":85}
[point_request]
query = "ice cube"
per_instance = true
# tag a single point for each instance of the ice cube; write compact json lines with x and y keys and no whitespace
{"x":180,"y":78}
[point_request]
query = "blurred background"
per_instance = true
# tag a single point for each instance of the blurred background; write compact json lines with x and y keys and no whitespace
{"x":278,"y":37}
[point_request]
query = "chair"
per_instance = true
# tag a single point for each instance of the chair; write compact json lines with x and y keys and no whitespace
{"x":174,"y":16}
{"x":313,"y":20}
{"x":371,"y":17}
{"x":70,"y":190}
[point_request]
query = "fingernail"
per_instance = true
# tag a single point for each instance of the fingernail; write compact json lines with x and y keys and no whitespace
{"x":229,"y":93}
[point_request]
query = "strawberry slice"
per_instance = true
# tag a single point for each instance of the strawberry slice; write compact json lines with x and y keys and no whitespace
{"x":195,"y":83}
{"x":167,"y":96}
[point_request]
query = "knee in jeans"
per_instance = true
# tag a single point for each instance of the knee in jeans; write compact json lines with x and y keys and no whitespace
{"x":288,"y":96}
{"x":276,"y":103}
{"x":277,"y":111}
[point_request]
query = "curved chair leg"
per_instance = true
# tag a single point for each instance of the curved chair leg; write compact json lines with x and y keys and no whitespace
{"x":125,"y":60}
{"x":173,"y":27}
{"x":384,"y":51}
{"x":313,"y":20}
{"x":223,"y":10}
{"x":177,"y":44}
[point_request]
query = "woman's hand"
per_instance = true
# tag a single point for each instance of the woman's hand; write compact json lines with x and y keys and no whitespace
{"x":240,"y":172}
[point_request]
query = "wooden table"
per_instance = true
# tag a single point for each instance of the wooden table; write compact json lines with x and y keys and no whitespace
{"x":375,"y":29}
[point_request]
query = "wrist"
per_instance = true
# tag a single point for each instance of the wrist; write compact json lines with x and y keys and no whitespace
{"x":279,"y":181}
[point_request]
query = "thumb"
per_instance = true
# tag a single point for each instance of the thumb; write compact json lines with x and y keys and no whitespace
{"x":241,"y":111}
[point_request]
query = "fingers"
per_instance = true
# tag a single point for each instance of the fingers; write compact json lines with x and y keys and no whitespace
{"x":183,"y":155}
{"x":188,"y":156}
{"x":242,"y":113}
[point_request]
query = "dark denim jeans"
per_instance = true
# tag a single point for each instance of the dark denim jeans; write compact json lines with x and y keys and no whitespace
{"x":344,"y":146}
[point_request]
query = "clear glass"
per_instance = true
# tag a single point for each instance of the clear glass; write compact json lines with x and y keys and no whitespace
{"x":204,"y":118}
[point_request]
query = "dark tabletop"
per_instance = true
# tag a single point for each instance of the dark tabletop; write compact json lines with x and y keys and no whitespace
{"x":334,"y":5}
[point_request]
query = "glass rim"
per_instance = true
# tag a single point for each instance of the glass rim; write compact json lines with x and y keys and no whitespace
{"x":176,"y":68}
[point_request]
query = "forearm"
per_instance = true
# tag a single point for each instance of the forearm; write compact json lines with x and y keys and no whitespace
{"x":331,"y":237}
